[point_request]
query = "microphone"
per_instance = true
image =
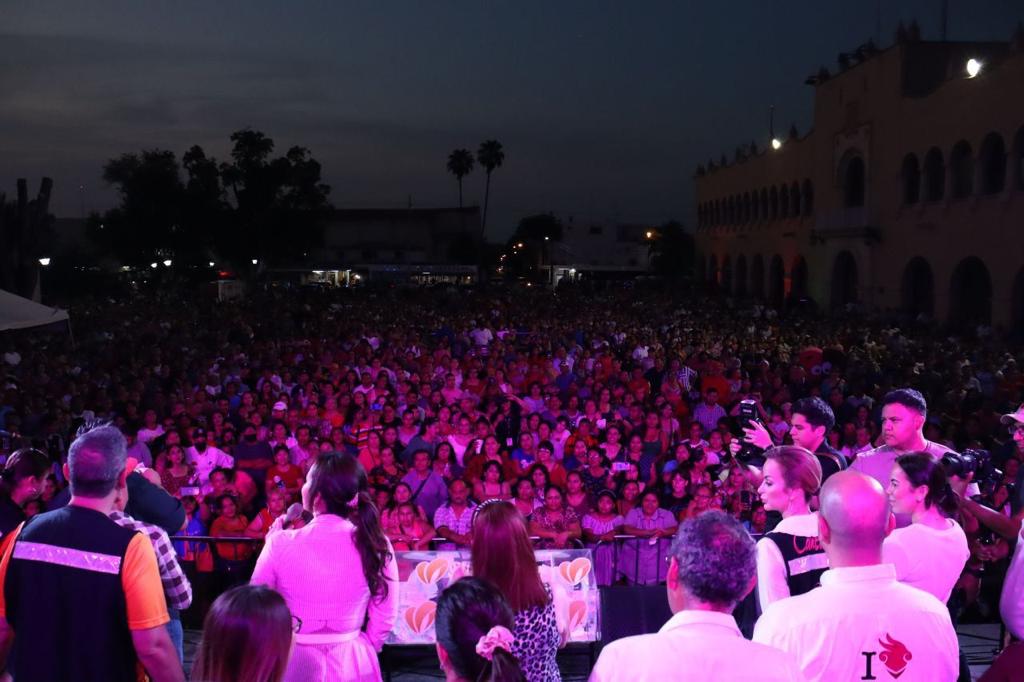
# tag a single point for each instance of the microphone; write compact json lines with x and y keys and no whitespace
{"x":293,"y":514}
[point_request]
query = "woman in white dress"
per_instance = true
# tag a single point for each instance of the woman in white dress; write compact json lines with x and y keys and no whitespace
{"x":930,"y":553}
{"x":335,"y":574}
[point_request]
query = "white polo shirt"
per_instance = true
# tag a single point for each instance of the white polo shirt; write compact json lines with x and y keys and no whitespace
{"x":863,"y":624}
{"x":928,"y":558}
{"x":1011,"y":604}
{"x":694,"y":645}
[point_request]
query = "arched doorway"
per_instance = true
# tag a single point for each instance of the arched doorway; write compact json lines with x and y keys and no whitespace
{"x":1017,"y":301}
{"x":918,"y":288}
{"x":798,"y":279}
{"x":844,"y":280}
{"x":970,"y":294}
{"x":776,"y":282}
{"x":852,"y":180}
{"x":757,"y":276}
{"x":741,"y":276}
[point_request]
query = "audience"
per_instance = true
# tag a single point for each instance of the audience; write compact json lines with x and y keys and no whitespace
{"x":502,"y":395}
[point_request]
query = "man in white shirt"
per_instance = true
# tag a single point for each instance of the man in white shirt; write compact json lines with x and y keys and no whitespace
{"x":205,"y":458}
{"x":711,"y":569}
{"x":861,"y":624}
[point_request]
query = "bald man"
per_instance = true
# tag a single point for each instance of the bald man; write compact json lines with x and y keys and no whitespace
{"x":861,"y":624}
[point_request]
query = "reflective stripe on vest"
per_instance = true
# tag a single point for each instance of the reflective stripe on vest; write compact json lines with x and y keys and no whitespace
{"x":63,"y":556}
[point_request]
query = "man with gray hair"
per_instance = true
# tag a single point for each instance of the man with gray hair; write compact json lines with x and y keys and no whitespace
{"x":80,"y":596}
{"x":712,"y":566}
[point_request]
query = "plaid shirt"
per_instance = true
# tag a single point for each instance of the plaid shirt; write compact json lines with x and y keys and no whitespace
{"x":177,"y":589}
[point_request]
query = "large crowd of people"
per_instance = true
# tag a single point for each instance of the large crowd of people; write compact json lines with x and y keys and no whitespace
{"x":611,"y":421}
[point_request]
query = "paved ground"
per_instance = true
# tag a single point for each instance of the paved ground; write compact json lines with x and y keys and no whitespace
{"x":977,"y":641}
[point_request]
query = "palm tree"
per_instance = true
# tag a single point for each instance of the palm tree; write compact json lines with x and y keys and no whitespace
{"x":489,"y":155}
{"x":460,"y":163}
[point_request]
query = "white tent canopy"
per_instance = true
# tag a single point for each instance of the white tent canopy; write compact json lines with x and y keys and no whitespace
{"x":21,"y":313}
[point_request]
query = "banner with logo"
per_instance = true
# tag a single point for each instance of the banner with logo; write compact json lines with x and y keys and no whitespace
{"x":423,"y":575}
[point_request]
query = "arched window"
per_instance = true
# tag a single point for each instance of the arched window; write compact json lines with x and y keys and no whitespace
{"x":992,"y":157}
{"x":773,"y":200}
{"x":852,"y":177}
{"x":755,"y":205}
{"x":766,"y":212}
{"x":961,"y":165}
{"x":794,"y":199}
{"x":784,"y":202}
{"x":1018,"y":159}
{"x":746,"y":207}
{"x":808,"y":197}
{"x":911,"y":177}
{"x":934,"y":175}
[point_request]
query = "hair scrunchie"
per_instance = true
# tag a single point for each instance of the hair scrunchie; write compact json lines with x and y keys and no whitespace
{"x":497,"y":637}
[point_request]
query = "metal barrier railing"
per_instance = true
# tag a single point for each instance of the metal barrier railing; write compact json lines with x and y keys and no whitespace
{"x":617,"y":544}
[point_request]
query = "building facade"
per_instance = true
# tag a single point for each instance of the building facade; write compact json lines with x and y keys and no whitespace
{"x":908,"y":194}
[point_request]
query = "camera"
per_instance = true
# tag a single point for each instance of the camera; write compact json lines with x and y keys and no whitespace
{"x":749,"y":453}
{"x":977,"y":462}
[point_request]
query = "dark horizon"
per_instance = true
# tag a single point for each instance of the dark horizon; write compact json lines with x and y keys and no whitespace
{"x":604,"y":111}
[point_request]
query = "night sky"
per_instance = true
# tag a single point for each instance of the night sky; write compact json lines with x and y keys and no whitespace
{"x":604,"y":108}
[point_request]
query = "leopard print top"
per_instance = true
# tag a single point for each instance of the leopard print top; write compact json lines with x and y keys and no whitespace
{"x":536,"y":643}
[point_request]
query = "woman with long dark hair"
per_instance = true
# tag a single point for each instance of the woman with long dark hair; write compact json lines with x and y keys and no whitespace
{"x":247,"y":637}
{"x":502,"y":554}
{"x":336,"y":574}
{"x":930,"y":553}
{"x":21,"y":481}
{"x":474,"y":634}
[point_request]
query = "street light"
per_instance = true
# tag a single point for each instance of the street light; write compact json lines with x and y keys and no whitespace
{"x":520,"y":245}
{"x":153,"y":265}
{"x":44,"y":261}
{"x":547,"y":238}
{"x":776,"y":143}
{"x":649,"y":234}
{"x":211,"y":264}
{"x":167,"y":263}
{"x":973,"y":67}
{"x":255,"y":261}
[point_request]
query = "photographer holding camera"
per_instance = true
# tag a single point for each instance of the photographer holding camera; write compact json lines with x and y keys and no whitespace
{"x":812,"y":420}
{"x":1007,"y":527}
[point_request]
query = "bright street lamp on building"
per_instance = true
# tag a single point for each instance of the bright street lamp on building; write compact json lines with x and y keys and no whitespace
{"x":776,"y":143}
{"x":255,"y":261}
{"x":211,"y":264}
{"x":44,"y":261}
{"x":167,"y":263}
{"x":973,"y":67}
{"x":153,"y":265}
{"x":649,"y":234}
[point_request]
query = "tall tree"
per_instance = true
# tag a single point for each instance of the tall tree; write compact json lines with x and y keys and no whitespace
{"x":490,"y":155}
{"x":149,"y":217}
{"x":278,"y":200}
{"x":460,"y":164}
{"x":672,"y":251}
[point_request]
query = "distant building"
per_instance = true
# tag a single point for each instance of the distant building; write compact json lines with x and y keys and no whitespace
{"x":908,"y":194}
{"x":415,"y":245}
{"x":598,"y":251}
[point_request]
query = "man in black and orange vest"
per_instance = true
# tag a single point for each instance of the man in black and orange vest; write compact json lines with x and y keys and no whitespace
{"x":80,"y":596}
